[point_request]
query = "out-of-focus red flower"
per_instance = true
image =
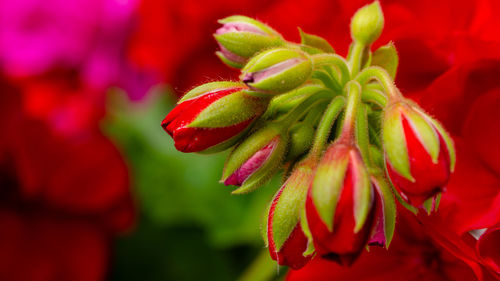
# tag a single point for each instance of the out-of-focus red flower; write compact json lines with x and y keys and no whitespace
{"x":64,"y":194}
{"x":444,"y":33}
{"x":413,"y":255}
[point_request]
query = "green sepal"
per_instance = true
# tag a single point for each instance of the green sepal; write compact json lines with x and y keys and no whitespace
{"x":315,"y":42}
{"x":285,"y":80}
{"x":367,"y":23}
{"x":328,"y":182}
{"x":402,"y":201}
{"x":209,"y":88}
{"x":363,"y":198}
{"x":290,"y":203}
{"x":262,"y":26}
{"x":387,"y":58}
{"x":247,"y":44}
{"x":307,"y":232}
{"x":268,"y":58}
{"x":388,"y":205}
{"x":447,"y":139}
{"x":230,"y":110}
{"x":311,"y":50}
{"x":394,"y":142}
{"x":248,"y":147}
{"x":424,"y":131}
{"x":431,"y":205}
{"x":267,"y":170}
{"x":228,"y":62}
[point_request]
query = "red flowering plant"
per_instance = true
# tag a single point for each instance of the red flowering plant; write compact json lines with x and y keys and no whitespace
{"x":65,"y":187}
{"x":345,"y":135}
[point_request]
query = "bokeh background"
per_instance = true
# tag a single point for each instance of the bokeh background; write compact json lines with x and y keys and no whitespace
{"x":92,"y":189}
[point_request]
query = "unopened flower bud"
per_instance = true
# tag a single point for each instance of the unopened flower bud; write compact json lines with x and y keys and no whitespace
{"x":339,"y":204}
{"x":301,"y":138}
{"x":211,"y":117}
{"x":285,"y":237}
{"x":253,"y":162}
{"x":419,"y":153}
{"x":240,"y":38}
{"x":367,"y":23}
{"x":277,"y":70}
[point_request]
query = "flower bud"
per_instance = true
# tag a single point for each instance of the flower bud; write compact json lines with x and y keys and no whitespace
{"x":367,"y":23}
{"x":339,"y":204}
{"x":211,"y":117}
{"x":277,"y":70}
{"x":419,"y":154}
{"x":285,"y":237}
{"x":240,"y":38}
{"x":301,"y":138}
{"x":253,"y":162}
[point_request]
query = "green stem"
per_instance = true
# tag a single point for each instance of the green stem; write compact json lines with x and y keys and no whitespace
{"x":315,"y":113}
{"x":374,"y":96}
{"x":261,"y":269}
{"x":379,"y":74}
{"x":356,"y":56}
{"x":335,"y":61}
{"x":297,"y":112}
{"x":326,"y":123}
{"x":327,"y":80}
{"x":286,"y":102}
{"x":362,"y":136}
{"x":353,"y":101}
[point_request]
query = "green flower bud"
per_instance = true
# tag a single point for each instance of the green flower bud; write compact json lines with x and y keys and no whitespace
{"x":277,"y":71}
{"x":301,"y":138}
{"x":367,"y":23}
{"x":240,"y":38}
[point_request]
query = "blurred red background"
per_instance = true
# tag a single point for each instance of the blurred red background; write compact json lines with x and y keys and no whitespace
{"x":72,"y":159}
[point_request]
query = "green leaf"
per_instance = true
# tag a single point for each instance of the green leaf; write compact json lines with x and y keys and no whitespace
{"x":387,"y":58}
{"x":315,"y":41}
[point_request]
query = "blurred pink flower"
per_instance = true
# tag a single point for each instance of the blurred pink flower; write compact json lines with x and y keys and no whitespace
{"x":86,"y":36}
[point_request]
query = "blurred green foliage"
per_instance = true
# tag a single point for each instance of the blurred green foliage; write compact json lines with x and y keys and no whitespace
{"x":189,"y":227}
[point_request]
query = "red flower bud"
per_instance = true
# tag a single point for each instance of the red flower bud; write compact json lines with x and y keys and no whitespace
{"x":211,"y":117}
{"x":339,"y":205}
{"x":286,"y":239}
{"x":419,"y":153}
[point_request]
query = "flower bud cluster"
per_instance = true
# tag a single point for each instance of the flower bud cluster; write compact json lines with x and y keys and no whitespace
{"x":348,"y":138}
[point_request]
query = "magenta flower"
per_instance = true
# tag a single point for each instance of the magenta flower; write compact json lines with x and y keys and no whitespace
{"x":88,"y":36}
